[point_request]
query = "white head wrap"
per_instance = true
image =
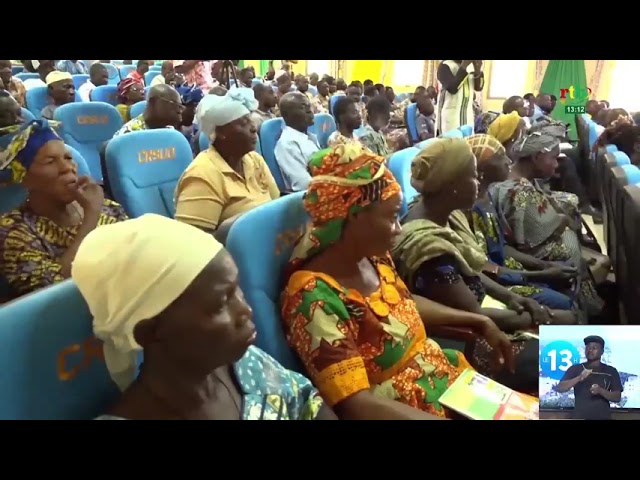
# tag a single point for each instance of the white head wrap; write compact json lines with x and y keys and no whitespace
{"x":216,"y":111}
{"x":132,"y":271}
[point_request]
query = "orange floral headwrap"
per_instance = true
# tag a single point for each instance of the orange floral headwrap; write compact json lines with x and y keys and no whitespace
{"x":346,"y":179}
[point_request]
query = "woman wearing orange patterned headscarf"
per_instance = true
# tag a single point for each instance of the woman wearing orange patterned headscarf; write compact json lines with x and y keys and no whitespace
{"x":350,"y":318}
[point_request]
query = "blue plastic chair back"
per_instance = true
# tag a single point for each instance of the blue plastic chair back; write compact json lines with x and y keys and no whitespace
{"x":137,"y":109}
{"x":53,"y":366}
{"x":105,"y":93}
{"x":323,"y":126}
{"x":261,"y":264}
{"x":270,"y":132}
{"x":144,"y":168}
{"x":400,"y":166}
{"x":86,"y":126}
{"x":114,"y":74}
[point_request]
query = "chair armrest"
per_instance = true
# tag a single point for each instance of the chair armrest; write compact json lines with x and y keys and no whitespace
{"x":461,"y":334}
{"x":464,"y":334}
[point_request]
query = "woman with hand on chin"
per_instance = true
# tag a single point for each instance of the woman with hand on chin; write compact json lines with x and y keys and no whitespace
{"x":183,"y":308}
{"x":40,"y":238}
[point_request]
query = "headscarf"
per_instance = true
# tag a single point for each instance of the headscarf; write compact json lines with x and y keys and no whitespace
{"x":504,"y":127}
{"x":485,"y":147}
{"x":539,"y":140}
{"x":124,"y":86}
{"x":483,"y":121}
{"x":119,"y":297}
{"x":345,"y":179}
{"x":439,"y":163}
{"x":19,"y":145}
{"x":190,"y":94}
{"x":216,"y":111}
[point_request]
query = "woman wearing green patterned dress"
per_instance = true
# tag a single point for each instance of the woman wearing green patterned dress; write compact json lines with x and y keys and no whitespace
{"x":360,"y":333}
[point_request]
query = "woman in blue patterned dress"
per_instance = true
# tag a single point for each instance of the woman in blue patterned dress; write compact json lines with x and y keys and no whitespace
{"x":181,"y":306}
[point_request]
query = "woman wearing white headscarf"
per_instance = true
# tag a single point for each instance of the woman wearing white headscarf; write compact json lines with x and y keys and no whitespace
{"x":229,"y":178}
{"x":181,"y":305}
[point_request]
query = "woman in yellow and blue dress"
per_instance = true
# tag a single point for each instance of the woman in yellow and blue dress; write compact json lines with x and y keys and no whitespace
{"x":39,"y":239}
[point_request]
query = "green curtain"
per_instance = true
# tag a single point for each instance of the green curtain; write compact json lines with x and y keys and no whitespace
{"x":241,"y":64}
{"x":564,"y":74}
{"x":264,"y":67}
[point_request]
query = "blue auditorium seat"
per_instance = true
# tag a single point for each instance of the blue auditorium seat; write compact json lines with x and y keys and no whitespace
{"x":105,"y":93}
{"x":410,"y":117}
{"x":150,"y":75}
{"x":137,"y":109}
{"x":313,"y":90}
{"x":16,"y":69}
{"x":204,"y":144}
{"x":27,"y":115}
{"x":632,"y":173}
{"x":37,"y":98}
{"x":126,"y":70}
{"x":255,"y":82}
{"x":80,"y":79}
{"x":52,"y":365}
{"x":86,"y":126}
{"x":277,"y":224}
{"x":621,"y":158}
{"x":424,"y":143}
{"x":144,"y":168}
{"x":270,"y":132}
{"x":400,"y":166}
{"x":332,"y":102}
{"x":466,"y":130}
{"x":323,"y":126}
{"x":455,"y":133}
{"x":27,"y":75}
{"x":114,"y":74}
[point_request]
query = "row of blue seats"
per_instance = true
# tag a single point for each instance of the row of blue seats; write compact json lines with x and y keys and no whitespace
{"x":115,"y":73}
{"x":618,"y":184}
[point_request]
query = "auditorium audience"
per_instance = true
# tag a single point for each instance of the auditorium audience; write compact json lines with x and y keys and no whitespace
{"x":130,"y":92}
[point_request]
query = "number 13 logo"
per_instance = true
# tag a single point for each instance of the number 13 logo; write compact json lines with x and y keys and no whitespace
{"x":557,"y":357}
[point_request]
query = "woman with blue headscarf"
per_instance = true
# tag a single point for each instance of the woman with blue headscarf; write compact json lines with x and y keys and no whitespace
{"x":40,"y":238}
{"x":190,"y":96}
{"x":229,"y":178}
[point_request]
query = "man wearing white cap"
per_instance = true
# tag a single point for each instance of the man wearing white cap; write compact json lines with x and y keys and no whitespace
{"x":61,"y":92}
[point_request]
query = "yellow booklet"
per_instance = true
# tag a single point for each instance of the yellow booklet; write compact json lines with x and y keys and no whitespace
{"x":480,"y":398}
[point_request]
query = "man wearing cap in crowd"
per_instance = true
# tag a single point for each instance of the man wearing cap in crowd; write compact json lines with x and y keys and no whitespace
{"x":594,"y":384}
{"x":61,"y":92}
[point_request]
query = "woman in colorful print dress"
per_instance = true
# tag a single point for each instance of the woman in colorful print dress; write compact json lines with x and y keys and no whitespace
{"x":542,"y":223}
{"x":40,"y":238}
{"x":181,"y":306}
{"x":347,"y":314}
{"x":522,"y":273}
